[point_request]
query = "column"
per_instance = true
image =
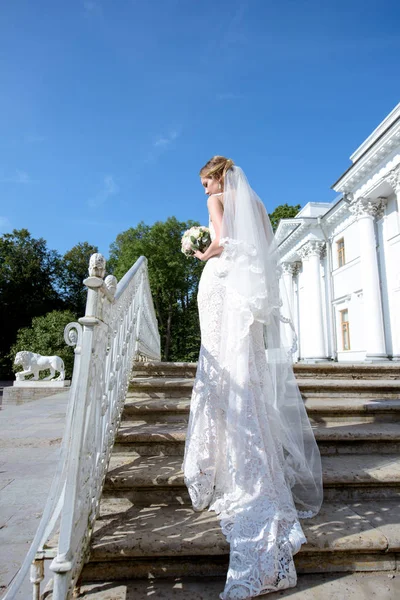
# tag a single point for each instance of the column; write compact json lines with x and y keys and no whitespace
{"x":296,"y":316}
{"x":366,"y":210}
{"x":287,"y":276}
{"x":288,"y":301}
{"x":393,"y":178}
{"x":314,"y":344}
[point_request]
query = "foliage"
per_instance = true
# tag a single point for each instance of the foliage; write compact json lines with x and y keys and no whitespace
{"x":46,"y":337}
{"x":35,"y":280}
{"x":283,"y":211}
{"x":173,"y":278}
{"x":185,"y":343}
{"x":29,"y":274}
{"x":74,"y":269}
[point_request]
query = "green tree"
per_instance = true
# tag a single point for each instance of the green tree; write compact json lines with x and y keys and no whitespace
{"x":283,"y":211}
{"x":173,"y":278}
{"x":74,"y":269}
{"x":46,"y":336}
{"x":29,"y":280}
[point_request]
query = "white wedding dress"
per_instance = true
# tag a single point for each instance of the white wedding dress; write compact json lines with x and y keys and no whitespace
{"x":249,"y":492}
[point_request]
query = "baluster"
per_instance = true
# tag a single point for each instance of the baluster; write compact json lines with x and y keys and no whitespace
{"x":102,"y":369}
{"x":37,"y":576}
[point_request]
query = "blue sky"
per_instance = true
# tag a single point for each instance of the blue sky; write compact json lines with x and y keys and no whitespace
{"x":108,"y":108}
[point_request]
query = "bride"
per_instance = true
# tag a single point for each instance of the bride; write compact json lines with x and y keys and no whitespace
{"x":250,"y":452}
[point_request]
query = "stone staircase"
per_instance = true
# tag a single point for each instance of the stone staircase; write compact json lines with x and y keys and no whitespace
{"x":149,"y":540}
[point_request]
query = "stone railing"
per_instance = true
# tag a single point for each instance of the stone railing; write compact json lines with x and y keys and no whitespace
{"x":119,"y":327}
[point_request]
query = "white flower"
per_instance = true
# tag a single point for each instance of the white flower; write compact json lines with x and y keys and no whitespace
{"x":195,"y":238}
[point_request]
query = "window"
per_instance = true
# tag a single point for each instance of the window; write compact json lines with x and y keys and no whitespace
{"x":340,"y":252}
{"x":344,"y":322}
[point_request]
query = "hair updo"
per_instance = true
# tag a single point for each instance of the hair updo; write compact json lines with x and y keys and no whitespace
{"x":216,"y":167}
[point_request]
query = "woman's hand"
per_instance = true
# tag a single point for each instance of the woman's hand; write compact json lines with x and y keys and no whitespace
{"x":198,"y":254}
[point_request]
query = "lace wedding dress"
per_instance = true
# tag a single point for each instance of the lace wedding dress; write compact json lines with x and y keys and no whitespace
{"x":236,"y":467}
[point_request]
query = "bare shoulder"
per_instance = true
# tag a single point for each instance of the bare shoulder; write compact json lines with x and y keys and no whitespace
{"x":216,"y":211}
{"x":215,"y":202}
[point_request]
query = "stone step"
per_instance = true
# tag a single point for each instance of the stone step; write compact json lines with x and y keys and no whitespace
{"x":322,"y":586}
{"x":169,"y":438}
{"x":332,"y":370}
{"x":156,"y":409}
{"x":160,"y":387}
{"x":156,"y":479}
{"x":352,"y":406}
{"x":164,"y":369}
{"x":338,"y":388}
{"x":171,"y":541}
{"x":174,"y":387}
{"x":352,"y":410}
{"x":148,"y":439}
{"x":327,"y":369}
{"x":318,"y":409}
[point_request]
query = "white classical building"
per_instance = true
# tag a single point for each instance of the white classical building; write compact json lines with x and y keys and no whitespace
{"x":341,"y":261}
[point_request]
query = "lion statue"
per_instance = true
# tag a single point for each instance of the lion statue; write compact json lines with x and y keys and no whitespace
{"x":33,"y":363}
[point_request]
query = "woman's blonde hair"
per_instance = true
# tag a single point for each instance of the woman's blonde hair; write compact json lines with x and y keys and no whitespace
{"x":216,"y":167}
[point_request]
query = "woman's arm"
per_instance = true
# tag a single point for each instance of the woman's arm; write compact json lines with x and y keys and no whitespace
{"x":216,"y":211}
{"x":213,"y":250}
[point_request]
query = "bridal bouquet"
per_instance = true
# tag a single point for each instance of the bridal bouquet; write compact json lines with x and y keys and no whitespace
{"x":195,"y":238}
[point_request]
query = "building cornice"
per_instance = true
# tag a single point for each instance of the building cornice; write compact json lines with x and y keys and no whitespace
{"x":292,"y":252}
{"x":376,"y":134}
{"x":296,"y":234}
{"x":383,"y":174}
{"x":367,"y":162}
{"x":285,"y":228}
{"x":337,"y":213}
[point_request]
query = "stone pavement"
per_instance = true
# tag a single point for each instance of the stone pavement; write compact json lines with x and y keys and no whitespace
{"x":30,"y":437}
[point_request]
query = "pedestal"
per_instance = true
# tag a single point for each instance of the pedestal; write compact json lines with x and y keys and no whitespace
{"x":28,"y":391}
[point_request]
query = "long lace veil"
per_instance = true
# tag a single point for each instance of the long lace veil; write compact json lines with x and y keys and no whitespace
{"x":254,"y":299}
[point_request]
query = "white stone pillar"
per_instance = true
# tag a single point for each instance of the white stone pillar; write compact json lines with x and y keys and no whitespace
{"x":296,"y":316}
{"x":289,"y":308}
{"x":393,"y":178}
{"x":314,"y":342}
{"x":366,"y":210}
{"x":287,"y":276}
